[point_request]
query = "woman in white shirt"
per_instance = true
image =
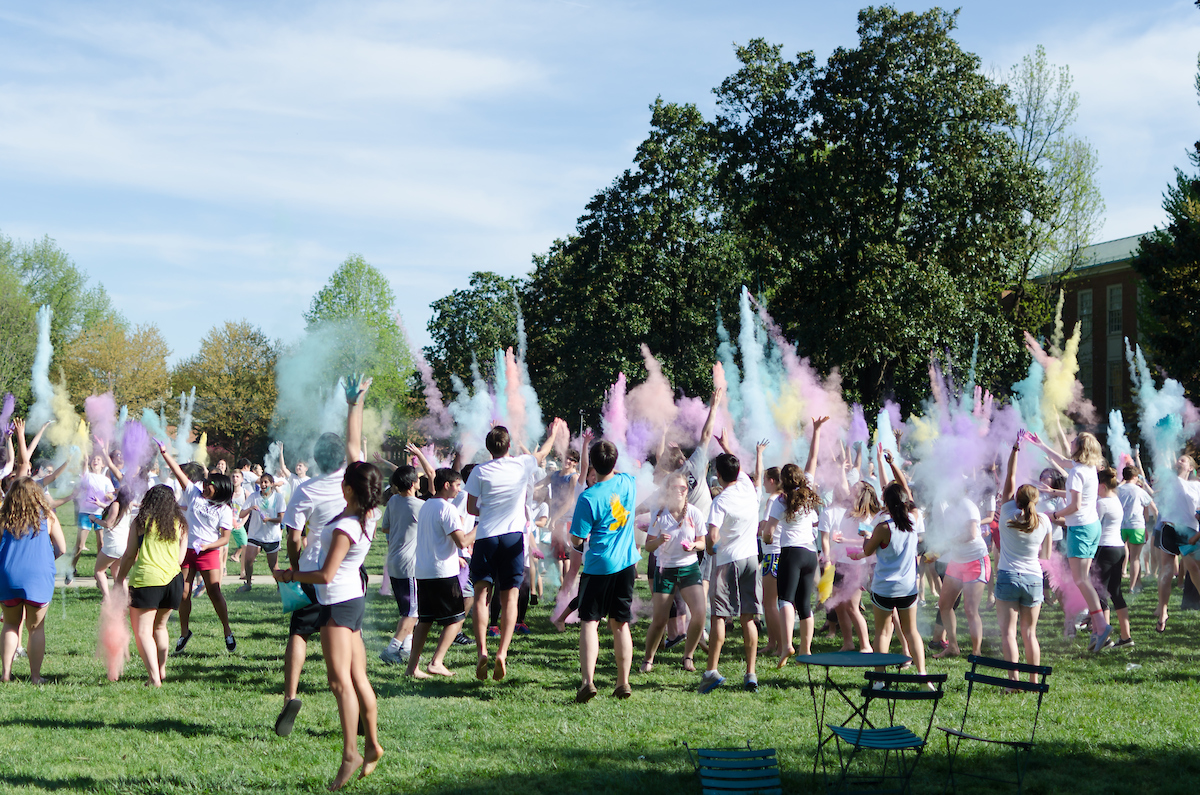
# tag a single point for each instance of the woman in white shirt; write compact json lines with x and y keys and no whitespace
{"x":341,"y":591}
{"x":1082,"y":523}
{"x":1110,"y":556}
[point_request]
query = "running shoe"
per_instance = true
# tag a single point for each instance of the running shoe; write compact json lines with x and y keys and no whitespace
{"x":710,"y":682}
{"x":69,"y":577}
{"x":393,"y":656}
{"x":1099,"y":638}
{"x":675,"y":641}
{"x":462,"y":640}
{"x":1126,"y":643}
{"x":182,"y":643}
{"x":230,"y":642}
{"x":493,"y":632}
{"x":750,"y":683}
{"x":523,"y":629}
{"x":287,"y":717}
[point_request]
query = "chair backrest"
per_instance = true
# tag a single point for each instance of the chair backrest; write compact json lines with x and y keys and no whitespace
{"x":735,"y":770}
{"x":903,"y":687}
{"x":988,"y":677}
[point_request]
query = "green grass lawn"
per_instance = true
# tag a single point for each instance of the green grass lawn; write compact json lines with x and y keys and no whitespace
{"x":1104,"y":728}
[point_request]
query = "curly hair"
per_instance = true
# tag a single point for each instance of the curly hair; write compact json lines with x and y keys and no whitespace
{"x":24,"y":508}
{"x":161,"y":513}
{"x":797,"y":494}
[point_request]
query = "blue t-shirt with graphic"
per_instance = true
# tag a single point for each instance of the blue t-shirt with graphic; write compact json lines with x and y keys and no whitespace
{"x":604,"y":516}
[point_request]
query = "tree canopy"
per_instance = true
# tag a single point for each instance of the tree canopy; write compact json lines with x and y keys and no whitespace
{"x":472,"y":323}
{"x":130,"y":363}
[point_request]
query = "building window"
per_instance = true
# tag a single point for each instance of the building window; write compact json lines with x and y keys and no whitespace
{"x":1115,"y":390}
{"x":1115,"y":325}
{"x":1085,"y":323}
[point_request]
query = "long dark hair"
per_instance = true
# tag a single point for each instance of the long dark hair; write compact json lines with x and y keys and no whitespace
{"x":898,"y":506}
{"x":1027,"y":499}
{"x":161,"y":512}
{"x":123,"y":500}
{"x":366,"y":482}
{"x":797,"y":495}
{"x":222,"y":486}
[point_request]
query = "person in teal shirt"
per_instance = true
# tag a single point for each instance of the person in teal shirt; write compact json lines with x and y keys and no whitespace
{"x":604,"y":519}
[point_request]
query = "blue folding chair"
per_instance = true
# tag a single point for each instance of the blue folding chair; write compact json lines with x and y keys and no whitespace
{"x":901,"y":747}
{"x":724,"y":771}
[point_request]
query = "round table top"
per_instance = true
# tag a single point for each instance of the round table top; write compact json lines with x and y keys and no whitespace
{"x":852,"y":659}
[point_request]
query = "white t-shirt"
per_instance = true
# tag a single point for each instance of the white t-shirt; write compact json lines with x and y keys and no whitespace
{"x":1019,"y":551}
{"x":1134,"y":501}
{"x":956,"y":518}
{"x":1179,"y":501}
{"x":1108,"y":509}
{"x":499,"y":487}
{"x":205,"y":519}
{"x":735,"y":513}
{"x":437,"y":554}
{"x":696,"y":471}
{"x":800,"y":531}
{"x":691,"y":529}
{"x":765,"y":501}
{"x":1084,"y":480}
{"x":346,"y":583}
{"x":312,"y":506}
{"x":835,"y":519}
{"x":270,"y":506}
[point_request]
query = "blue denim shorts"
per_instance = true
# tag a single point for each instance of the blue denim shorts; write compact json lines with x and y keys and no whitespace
{"x":1024,"y":589}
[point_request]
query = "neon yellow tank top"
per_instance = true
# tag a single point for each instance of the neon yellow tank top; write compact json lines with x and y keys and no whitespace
{"x":157,"y":561}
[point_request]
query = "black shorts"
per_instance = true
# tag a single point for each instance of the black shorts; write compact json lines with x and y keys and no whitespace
{"x":607,"y":595}
{"x":893,"y":602}
{"x":405,"y":591}
{"x":440,"y":601}
{"x":266,"y":546}
{"x":348,"y":614}
{"x":306,"y":620}
{"x":500,"y":561}
{"x":158,"y":597}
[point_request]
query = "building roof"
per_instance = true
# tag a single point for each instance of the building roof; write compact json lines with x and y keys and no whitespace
{"x":1096,"y":255}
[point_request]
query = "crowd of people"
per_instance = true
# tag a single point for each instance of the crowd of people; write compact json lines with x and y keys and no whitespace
{"x":772,"y":549}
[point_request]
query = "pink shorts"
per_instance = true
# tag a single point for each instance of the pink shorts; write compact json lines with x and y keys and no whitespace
{"x":19,"y":602}
{"x":975,"y":571}
{"x":205,"y":561}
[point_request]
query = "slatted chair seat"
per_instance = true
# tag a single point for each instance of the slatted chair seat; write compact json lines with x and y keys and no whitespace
{"x":733,"y":770}
{"x":1022,"y":749}
{"x":891,"y":738}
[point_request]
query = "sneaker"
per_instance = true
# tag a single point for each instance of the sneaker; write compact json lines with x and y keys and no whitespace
{"x":198,"y":587}
{"x":938,"y":645}
{"x":675,"y":641}
{"x":1123,"y":643}
{"x":622,"y":691}
{"x":230,"y":643}
{"x":182,"y":643}
{"x":523,"y":629}
{"x":493,"y":632}
{"x":533,"y":599}
{"x":1099,"y":638}
{"x":287,"y":717}
{"x":462,"y":640}
{"x":710,"y":682}
{"x":21,"y":653}
{"x":750,"y":683}
{"x":393,"y":656}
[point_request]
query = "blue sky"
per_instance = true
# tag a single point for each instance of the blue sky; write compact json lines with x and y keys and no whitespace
{"x":216,"y":161}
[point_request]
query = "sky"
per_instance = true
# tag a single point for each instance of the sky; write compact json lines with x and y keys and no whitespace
{"x":217,"y":161}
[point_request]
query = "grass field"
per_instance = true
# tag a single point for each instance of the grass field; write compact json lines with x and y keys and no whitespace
{"x":1106,"y":727}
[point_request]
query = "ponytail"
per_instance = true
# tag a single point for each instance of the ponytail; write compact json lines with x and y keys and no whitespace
{"x":1027,"y":520}
{"x":898,"y":507}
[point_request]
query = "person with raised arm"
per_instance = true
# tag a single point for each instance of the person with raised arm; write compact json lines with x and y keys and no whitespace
{"x":210,"y":523}
{"x":334,"y":567}
{"x":496,"y":494}
{"x":1082,"y":523}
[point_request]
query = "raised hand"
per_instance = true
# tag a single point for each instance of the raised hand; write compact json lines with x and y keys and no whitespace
{"x":817,"y":422}
{"x":357,"y":385}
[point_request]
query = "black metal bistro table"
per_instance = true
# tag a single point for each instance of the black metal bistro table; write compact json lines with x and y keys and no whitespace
{"x":840,"y":659}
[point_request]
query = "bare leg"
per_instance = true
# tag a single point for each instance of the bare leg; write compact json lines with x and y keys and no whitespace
{"x":508,"y":625}
{"x":716,"y":639}
{"x":972,"y":593}
{"x":1007,"y":619}
{"x":483,"y":592}
{"x":293,"y":662}
{"x":771,"y":616}
{"x":251,"y":552}
{"x":1134,"y":561}
{"x":622,"y":650}
{"x":368,"y":708}
{"x":337,"y":644}
{"x":10,"y":638}
{"x":185,"y":604}
{"x":212,"y":584}
{"x":101,"y":573}
{"x":35,"y":623}
{"x":419,"y":635}
{"x":951,"y":588}
{"x":162,"y":640}
{"x":143,"y":637}
{"x":437,"y":665}
{"x":693,"y":597}
{"x":787,"y":620}
{"x":660,"y":610}
{"x":589,"y":649}
{"x":1033,"y":650}
{"x":912,"y":634}
{"x":750,"y":638}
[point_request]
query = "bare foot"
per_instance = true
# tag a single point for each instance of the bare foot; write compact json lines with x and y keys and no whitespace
{"x":501,"y":669}
{"x":37,"y":680}
{"x":417,"y":673}
{"x":370,"y":761}
{"x":783,"y":658}
{"x":689,"y":664}
{"x":946,"y":653}
{"x":346,"y":771}
{"x":559,"y":626}
{"x":647,"y":667}
{"x":481,"y":669}
{"x":439,"y":670}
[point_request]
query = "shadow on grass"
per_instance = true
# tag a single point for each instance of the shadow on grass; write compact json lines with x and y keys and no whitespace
{"x":159,"y":726}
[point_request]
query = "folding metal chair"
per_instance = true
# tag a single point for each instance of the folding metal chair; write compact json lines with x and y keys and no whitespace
{"x":901,"y":747}
{"x":733,"y":770}
{"x":1021,"y":748}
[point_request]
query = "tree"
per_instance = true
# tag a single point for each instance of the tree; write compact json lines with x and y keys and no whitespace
{"x":108,"y":357}
{"x":649,"y":264}
{"x":357,"y":305}
{"x":234,"y":378}
{"x":1169,"y":261}
{"x":18,"y":331}
{"x":884,"y":196}
{"x":472,"y":323}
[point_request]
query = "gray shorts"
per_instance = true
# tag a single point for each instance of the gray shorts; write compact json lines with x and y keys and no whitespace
{"x":736,"y":589}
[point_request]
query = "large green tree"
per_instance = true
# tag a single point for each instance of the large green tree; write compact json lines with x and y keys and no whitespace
{"x":884,"y":198}
{"x":1169,"y":261}
{"x":357,"y":306}
{"x":649,"y":263}
{"x":472,"y":323}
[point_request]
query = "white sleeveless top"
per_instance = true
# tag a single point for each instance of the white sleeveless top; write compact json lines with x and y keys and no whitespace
{"x":896,"y":564}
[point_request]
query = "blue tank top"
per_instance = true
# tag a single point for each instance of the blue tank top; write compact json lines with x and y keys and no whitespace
{"x":896,"y":565}
{"x":27,"y":566}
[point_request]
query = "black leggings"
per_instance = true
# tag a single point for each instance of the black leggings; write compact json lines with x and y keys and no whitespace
{"x":1108,"y":568}
{"x":796,"y":578}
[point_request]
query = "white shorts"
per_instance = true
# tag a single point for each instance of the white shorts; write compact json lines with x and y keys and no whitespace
{"x":113,"y":542}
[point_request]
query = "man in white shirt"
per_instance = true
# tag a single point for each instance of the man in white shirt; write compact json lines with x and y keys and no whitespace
{"x":736,"y":586}
{"x":496,"y":494}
